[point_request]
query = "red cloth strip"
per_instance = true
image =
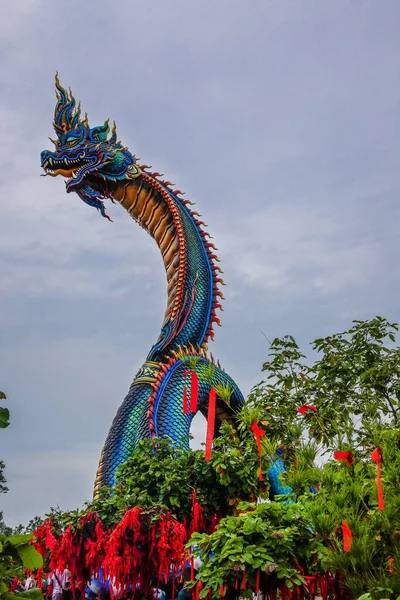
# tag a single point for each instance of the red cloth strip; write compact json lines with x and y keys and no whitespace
{"x":307,"y":407}
{"x":194,"y":393}
{"x":210,"y":423}
{"x":347,"y":537}
{"x":376,"y":458}
{"x":244,"y":581}
{"x":258,"y":433}
{"x":185,"y":401}
{"x":257,"y":581}
{"x":346,"y":456}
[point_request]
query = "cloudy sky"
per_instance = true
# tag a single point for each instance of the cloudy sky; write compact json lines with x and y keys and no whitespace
{"x":279,"y":118}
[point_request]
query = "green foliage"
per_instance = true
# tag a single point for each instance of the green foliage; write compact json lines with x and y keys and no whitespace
{"x":29,"y":557}
{"x":350,"y":493}
{"x":3,"y":487}
{"x":166,"y":478}
{"x":4,"y":422}
{"x":32,"y":594}
{"x":274,"y":537}
{"x":354,"y":384}
{"x":16,"y":554}
{"x":4,"y":413}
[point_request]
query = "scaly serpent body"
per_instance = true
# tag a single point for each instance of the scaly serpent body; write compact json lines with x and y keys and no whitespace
{"x":153,"y":406}
{"x":100,"y":167}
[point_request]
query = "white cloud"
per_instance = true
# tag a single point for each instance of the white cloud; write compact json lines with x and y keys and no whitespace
{"x":246,"y":110}
{"x":40,"y":480}
{"x":57,"y":245}
{"x":291,"y":250}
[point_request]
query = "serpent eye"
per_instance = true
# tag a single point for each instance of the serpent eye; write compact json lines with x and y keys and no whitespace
{"x":71,"y":142}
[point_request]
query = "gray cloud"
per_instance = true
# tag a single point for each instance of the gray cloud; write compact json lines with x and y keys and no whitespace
{"x":280,"y":119}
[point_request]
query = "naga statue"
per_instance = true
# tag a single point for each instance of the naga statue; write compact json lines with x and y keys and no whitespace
{"x":98,"y":167}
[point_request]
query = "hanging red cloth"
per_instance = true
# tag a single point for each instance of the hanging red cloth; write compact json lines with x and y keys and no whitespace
{"x":346,"y":456}
{"x":194,"y":392}
{"x":307,"y":407}
{"x":198,"y":520}
{"x":391,"y":566}
{"x":311,"y":581}
{"x":210,"y":422}
{"x":376,"y":457}
{"x":347,"y":537}
{"x":257,"y":588}
{"x":244,"y":581}
{"x":185,"y":401}
{"x":258,"y":433}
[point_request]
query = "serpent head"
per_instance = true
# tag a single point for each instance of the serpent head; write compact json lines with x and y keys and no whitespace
{"x":85,"y":155}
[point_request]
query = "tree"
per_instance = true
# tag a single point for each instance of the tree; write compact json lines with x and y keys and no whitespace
{"x":4,"y":422}
{"x":4,"y":413}
{"x":346,"y":400}
{"x":354,"y":385}
{"x":16,"y":552}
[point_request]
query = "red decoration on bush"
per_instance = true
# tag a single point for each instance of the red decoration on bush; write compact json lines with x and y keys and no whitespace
{"x":125,"y":557}
{"x":43,"y":538}
{"x":210,"y":423}
{"x":257,"y":588}
{"x":311,"y":584}
{"x":244,"y":581}
{"x":346,"y":456}
{"x":347,"y":537}
{"x":141,"y":546}
{"x":194,"y":392}
{"x":376,"y":458}
{"x":391,"y":566}
{"x":198,"y":520}
{"x":96,"y":548}
{"x":307,"y":407}
{"x":258,"y":433}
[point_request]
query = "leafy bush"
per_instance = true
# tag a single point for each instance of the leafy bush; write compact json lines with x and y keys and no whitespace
{"x":269,"y":542}
{"x":16,"y":552}
{"x":347,"y":400}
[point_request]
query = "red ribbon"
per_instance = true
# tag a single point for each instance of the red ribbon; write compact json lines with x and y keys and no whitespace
{"x":346,"y":456}
{"x":198,"y":522}
{"x":244,"y":581}
{"x":307,"y":407}
{"x":192,"y":569}
{"x":185,"y":401}
{"x":210,"y":423}
{"x":311,"y":581}
{"x":347,"y":537}
{"x":376,"y":458}
{"x":391,"y":566}
{"x":257,"y":581}
{"x":194,"y":392}
{"x":258,"y":433}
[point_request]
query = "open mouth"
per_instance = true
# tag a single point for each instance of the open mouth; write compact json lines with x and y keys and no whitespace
{"x":65,"y":167}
